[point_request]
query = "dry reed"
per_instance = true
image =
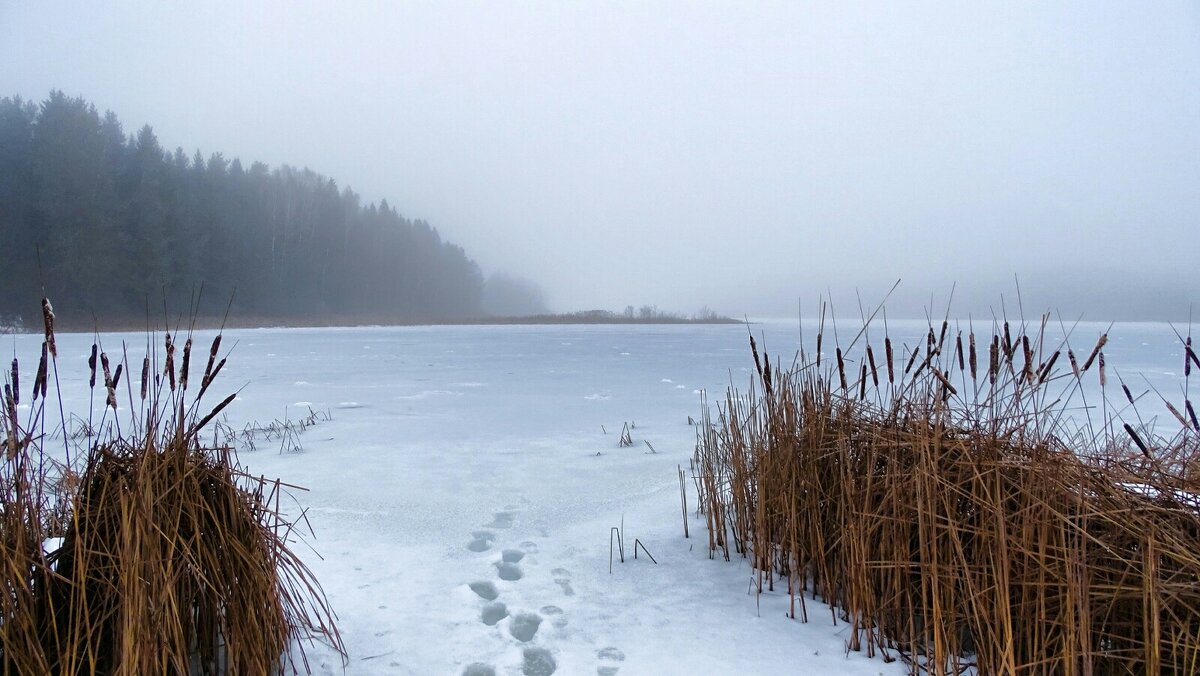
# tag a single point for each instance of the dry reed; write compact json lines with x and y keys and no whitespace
{"x":156,"y":555}
{"x":958,"y":519}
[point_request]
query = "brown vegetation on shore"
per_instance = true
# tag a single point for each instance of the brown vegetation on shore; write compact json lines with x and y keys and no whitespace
{"x":948,"y":503}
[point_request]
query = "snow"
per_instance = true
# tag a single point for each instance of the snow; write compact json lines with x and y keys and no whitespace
{"x":463,"y":491}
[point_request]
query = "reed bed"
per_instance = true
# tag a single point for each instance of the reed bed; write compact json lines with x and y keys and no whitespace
{"x":962,"y":505}
{"x":136,"y":547}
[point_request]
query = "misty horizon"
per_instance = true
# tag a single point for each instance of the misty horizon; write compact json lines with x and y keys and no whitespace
{"x":746,"y":160}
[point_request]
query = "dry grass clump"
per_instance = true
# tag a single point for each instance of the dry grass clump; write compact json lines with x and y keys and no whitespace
{"x":948,"y":505}
{"x":152,"y":552}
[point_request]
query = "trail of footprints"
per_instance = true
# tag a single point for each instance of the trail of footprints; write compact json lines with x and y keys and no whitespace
{"x":524,"y":625}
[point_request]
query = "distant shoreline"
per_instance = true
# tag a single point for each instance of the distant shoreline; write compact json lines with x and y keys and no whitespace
{"x":182,"y":323}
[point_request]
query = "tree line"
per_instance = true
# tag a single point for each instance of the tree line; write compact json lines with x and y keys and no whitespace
{"x":112,"y":224}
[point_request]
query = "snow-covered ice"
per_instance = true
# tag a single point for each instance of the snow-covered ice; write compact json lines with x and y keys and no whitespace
{"x":463,"y":492}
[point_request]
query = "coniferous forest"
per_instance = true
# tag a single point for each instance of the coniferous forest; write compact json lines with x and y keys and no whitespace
{"x":110,"y":223}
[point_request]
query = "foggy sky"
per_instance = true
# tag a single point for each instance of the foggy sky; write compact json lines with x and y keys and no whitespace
{"x":728,"y":154}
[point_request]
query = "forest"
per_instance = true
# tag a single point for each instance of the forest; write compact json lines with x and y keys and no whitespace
{"x":110,"y":224}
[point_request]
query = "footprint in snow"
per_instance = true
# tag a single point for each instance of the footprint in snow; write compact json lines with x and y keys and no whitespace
{"x":538,"y":662}
{"x":485,"y":590}
{"x":530,"y":547}
{"x":556,"y":615}
{"x":501,"y":520}
{"x":479,"y":669}
{"x":509,"y":572}
{"x":481,"y":540}
{"x":562,"y":577}
{"x":512,"y":555}
{"x":492,"y":613}
{"x":524,"y":626}
{"x":607,"y":657}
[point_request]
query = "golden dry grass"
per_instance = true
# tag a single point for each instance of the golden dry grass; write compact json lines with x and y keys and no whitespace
{"x":959,"y":518}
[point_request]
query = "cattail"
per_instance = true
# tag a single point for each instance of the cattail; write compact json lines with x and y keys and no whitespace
{"x":944,"y":380}
{"x":204,"y":386}
{"x":1175,"y":412}
{"x":862,"y":383}
{"x":170,"y":368}
{"x":92,"y":366}
{"x":887,"y":347}
{"x":117,"y":376}
{"x":1045,"y":373}
{"x":754,"y":351}
{"x":111,"y":389}
{"x":11,"y":405}
{"x":1007,"y":345}
{"x":974,"y":359}
{"x":942,"y":338}
{"x":930,"y":339}
{"x":1128,"y":394}
{"x":820,"y":335}
{"x":766,"y":375}
{"x":1189,"y":358}
{"x":958,"y":350}
{"x":145,"y":376}
{"x":1187,"y":406}
{"x":16,"y":382}
{"x":48,"y":322}
{"x":213,"y":413}
{"x":187,"y":360}
{"x":1028,"y":352}
{"x":874,"y":373}
{"x":1102,"y":380}
{"x":1095,"y":351}
{"x":39,"y":381}
{"x":994,"y":364}
{"x":841,"y":368}
{"x":216,"y":345}
{"x":1137,"y":440}
{"x":1074,"y":364}
{"x":913,"y":358}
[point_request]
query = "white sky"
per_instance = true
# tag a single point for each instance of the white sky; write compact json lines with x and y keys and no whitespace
{"x":733,"y":154}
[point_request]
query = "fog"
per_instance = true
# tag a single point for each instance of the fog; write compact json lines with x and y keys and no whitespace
{"x":742,"y":156}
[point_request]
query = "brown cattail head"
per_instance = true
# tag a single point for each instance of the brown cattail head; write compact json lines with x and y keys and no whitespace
{"x":862,"y":383}
{"x":10,"y":402}
{"x":187,"y":360}
{"x":169,"y":371}
{"x":1102,"y":379}
{"x":1074,"y":364}
{"x":117,"y":376}
{"x":145,"y":376}
{"x":766,"y":377}
{"x":92,"y":366}
{"x":39,"y":381}
{"x":1137,"y":440}
{"x":1187,"y":406}
{"x":211,"y":378}
{"x":913,"y":358}
{"x":212,"y":357}
{"x":1175,"y":412}
{"x":1048,"y":368}
{"x":1189,"y":358}
{"x":930,"y":339}
{"x":48,"y":322}
{"x":1027,"y":351}
{"x":994,"y":361}
{"x":109,"y":387}
{"x":841,"y":369}
{"x":1007,"y":344}
{"x":820,"y":335}
{"x":16,"y":382}
{"x":974,"y":359}
{"x":942,"y":336}
{"x":887,"y":347}
{"x":1128,"y":394}
{"x":1095,"y":351}
{"x":958,"y":350}
{"x":871,"y":360}
{"x":944,"y":380}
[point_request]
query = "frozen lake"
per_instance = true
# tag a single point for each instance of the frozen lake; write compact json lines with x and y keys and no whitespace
{"x":482,"y":461}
